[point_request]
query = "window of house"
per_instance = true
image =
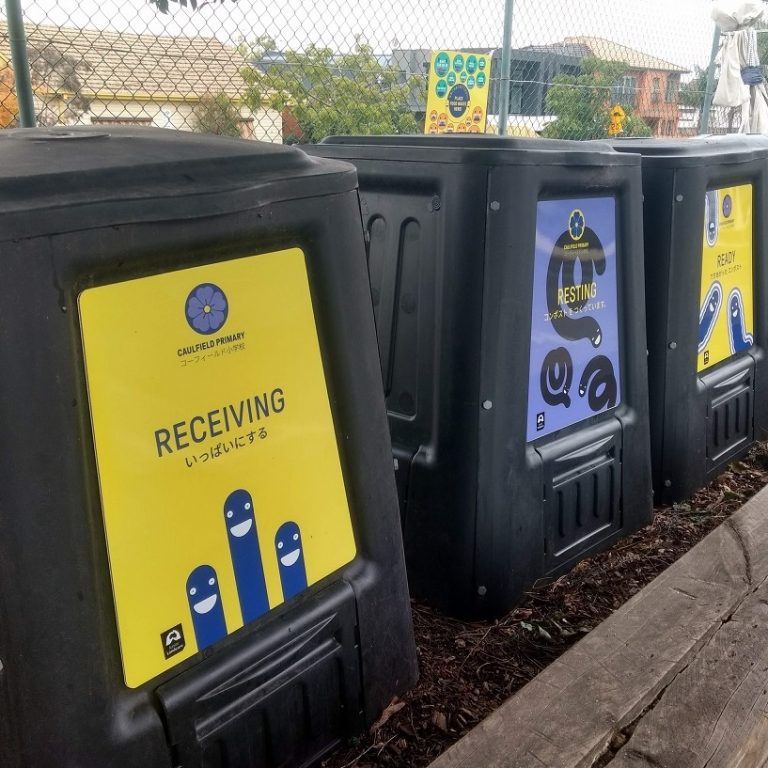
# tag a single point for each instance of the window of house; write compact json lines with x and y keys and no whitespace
{"x":625,"y":91}
{"x":525,"y":92}
{"x":533,"y":101}
{"x":673,"y":87}
{"x":656,"y":90}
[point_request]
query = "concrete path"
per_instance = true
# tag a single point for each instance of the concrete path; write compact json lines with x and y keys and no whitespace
{"x":676,"y":678}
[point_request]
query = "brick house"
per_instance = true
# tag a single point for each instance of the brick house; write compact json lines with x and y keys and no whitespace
{"x":650,"y":86}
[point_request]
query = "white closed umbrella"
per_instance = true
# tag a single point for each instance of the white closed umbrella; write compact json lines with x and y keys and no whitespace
{"x":741,"y":83}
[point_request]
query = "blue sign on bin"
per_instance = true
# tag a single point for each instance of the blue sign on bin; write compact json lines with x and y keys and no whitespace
{"x":574,"y":362}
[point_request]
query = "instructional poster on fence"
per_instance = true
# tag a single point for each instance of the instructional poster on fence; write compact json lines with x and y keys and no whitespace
{"x":457,"y":99}
{"x":574,"y":364}
{"x":726,"y":319}
{"x":221,"y":485}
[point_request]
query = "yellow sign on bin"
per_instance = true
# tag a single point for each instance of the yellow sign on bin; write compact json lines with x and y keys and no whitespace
{"x":221,"y":486}
{"x":457,"y":100}
{"x":726,"y":309}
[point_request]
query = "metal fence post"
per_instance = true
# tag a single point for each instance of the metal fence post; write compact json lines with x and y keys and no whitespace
{"x":709,"y":91}
{"x":18,"y":42}
{"x":506,"y":56}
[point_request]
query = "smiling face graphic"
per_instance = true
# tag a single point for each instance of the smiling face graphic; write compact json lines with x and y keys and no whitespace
{"x":739,"y":338}
{"x":290,"y":557}
{"x":709,"y":313}
{"x":238,"y":511}
{"x":711,"y":214}
{"x":205,"y":606}
{"x":289,"y":544}
{"x":203,"y":590}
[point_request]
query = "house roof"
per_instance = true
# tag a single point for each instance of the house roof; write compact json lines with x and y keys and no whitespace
{"x":608,"y":50}
{"x":117,"y":63}
{"x":563,"y":49}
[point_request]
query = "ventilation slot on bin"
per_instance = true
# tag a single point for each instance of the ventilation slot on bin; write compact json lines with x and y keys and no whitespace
{"x":582,"y":494}
{"x":730,"y":411}
{"x":276,"y":703}
{"x":395,"y":295}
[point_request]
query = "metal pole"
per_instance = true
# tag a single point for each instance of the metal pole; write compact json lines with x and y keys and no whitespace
{"x":710,"y":89}
{"x":18,"y":42}
{"x":506,"y":56}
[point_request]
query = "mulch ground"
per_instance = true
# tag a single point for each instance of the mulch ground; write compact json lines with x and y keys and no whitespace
{"x":468,"y":669}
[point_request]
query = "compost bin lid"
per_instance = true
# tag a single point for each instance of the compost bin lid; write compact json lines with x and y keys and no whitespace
{"x":700,"y":150}
{"x":481,"y":149}
{"x":131,"y":170}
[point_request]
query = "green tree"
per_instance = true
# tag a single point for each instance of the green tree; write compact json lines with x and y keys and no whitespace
{"x":58,"y":85}
{"x":762,"y":42}
{"x":328,"y":94}
{"x":582,"y":103}
{"x":162,"y":5}
{"x":692,"y":93}
{"x":254,"y":49}
{"x":216,"y":114}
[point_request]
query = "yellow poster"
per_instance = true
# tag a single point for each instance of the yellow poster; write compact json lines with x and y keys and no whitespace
{"x":457,"y":97}
{"x":221,"y":486}
{"x":726,"y":319}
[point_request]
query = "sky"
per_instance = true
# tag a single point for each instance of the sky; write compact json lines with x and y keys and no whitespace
{"x":679,"y":31}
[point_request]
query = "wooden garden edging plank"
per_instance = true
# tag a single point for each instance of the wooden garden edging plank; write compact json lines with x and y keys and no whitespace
{"x":715,"y":712}
{"x":568,"y":715}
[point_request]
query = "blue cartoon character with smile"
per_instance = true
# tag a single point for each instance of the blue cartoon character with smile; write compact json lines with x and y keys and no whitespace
{"x":246,"y":555}
{"x":711,"y":216}
{"x":739,"y":339}
{"x":290,"y":558}
{"x":205,"y":606}
{"x":709,"y":313}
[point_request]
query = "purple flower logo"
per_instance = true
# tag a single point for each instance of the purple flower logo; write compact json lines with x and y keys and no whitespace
{"x":206,"y":308}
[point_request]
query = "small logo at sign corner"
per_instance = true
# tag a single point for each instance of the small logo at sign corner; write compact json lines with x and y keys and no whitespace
{"x":706,"y":357}
{"x":173,"y":641}
{"x":727,"y":206}
{"x":576,"y":225}
{"x":206,"y":308}
{"x":540,"y":422}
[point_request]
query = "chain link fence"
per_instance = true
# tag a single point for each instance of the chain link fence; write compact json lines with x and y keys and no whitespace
{"x":297,"y":71}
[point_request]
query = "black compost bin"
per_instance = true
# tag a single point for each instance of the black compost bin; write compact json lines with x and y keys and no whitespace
{"x":706,"y":271}
{"x":507,"y":284}
{"x":200,"y":551}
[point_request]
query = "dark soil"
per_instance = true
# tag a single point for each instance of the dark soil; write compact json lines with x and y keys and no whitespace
{"x":469,"y":669}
